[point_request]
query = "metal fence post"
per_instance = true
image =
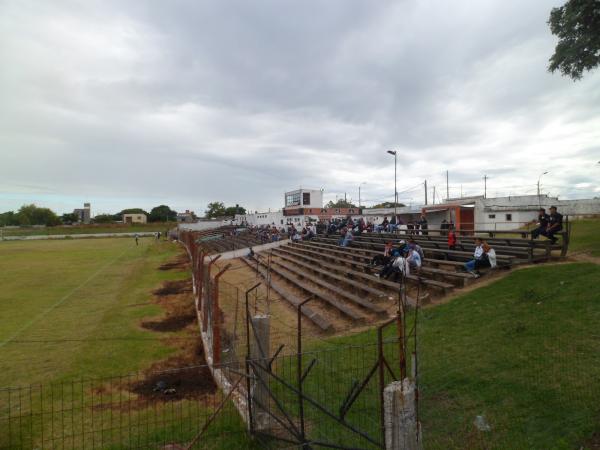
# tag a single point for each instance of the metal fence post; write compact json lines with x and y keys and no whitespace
{"x":248,"y":382}
{"x":216,"y":318}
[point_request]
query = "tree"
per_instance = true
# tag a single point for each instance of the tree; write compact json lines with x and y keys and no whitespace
{"x":341,"y":203}
{"x":577,"y":25}
{"x":104,"y":218}
{"x":388,"y":205}
{"x":233,"y":210}
{"x":8,"y":219}
{"x":69,"y":218}
{"x":162,"y":213}
{"x":32,"y":215}
{"x":215,"y":209}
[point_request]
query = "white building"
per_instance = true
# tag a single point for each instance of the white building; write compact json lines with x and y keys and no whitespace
{"x":505,"y":213}
{"x":303,"y":198}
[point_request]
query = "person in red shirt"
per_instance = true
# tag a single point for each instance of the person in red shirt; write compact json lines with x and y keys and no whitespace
{"x":451,"y":237}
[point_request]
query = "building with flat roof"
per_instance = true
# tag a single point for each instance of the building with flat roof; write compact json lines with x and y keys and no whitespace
{"x":135,"y":218}
{"x":186,"y":217}
{"x":84,"y":215}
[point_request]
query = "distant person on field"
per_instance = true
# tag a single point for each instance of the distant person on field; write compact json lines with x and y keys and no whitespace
{"x":542,"y":224}
{"x":137,"y":236}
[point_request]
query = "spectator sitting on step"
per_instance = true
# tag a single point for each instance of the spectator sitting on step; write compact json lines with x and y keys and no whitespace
{"x":400,"y":268}
{"x":484,"y":256}
{"x":554,"y":225}
{"x":382,"y":226}
{"x":402,"y":248}
{"x":451,"y":239}
{"x":384,"y":258}
{"x":542,"y":224}
{"x":348,"y":237}
{"x":392,"y":225}
{"x":387,"y":270}
{"x":414,"y":259}
{"x":412,"y":244}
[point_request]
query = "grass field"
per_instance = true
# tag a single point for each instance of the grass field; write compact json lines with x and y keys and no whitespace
{"x":70,"y":334}
{"x":85,"y":229}
{"x":585,"y":236}
{"x":77,"y":290}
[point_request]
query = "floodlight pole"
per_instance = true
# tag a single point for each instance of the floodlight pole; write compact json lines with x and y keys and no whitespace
{"x":359,"y":202}
{"x":395,"y":153}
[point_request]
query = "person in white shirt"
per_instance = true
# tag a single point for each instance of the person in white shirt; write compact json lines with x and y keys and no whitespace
{"x":483,"y":256}
{"x":414,"y":259}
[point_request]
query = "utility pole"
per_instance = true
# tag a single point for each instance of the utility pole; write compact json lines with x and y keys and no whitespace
{"x":485,"y":177}
{"x":425,"y":191}
{"x":447,"y":187}
{"x":434,"y":195}
{"x":538,"y":189}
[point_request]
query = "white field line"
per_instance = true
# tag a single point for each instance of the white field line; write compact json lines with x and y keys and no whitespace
{"x":61,"y":300}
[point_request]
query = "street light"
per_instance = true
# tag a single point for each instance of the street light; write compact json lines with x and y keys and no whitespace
{"x":393,"y":152}
{"x":538,"y":188}
{"x":359,"y":202}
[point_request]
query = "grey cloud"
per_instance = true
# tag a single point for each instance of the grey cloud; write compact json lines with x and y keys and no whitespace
{"x":198,"y":101}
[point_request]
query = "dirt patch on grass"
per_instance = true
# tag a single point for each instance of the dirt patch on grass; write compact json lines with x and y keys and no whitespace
{"x":170,"y":323}
{"x":593,"y":443}
{"x":180,"y":262}
{"x":182,"y":376}
{"x":176,"y":298}
{"x":174,"y":287}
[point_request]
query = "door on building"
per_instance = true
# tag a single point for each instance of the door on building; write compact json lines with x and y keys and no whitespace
{"x":467,"y":219}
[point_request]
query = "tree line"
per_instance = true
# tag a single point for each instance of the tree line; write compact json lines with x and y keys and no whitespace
{"x":29,"y":215}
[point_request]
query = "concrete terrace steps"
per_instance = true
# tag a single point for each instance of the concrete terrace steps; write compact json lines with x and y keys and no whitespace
{"x":314,"y":316}
{"x":305,"y":255}
{"x":440,"y":285}
{"x":363,"y":303}
{"x":318,"y":293}
{"x":360,"y":286}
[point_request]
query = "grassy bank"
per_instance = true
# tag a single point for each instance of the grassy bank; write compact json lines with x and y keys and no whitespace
{"x":585,"y":236}
{"x":522,"y":352}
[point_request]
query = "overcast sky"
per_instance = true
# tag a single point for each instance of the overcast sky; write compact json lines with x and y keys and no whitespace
{"x":134,"y":104}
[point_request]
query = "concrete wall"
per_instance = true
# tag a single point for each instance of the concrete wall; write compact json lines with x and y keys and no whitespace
{"x":199,"y":226}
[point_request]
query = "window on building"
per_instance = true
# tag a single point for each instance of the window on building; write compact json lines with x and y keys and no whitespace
{"x":281,"y":221}
{"x":306,"y":198}
{"x":292,"y":199}
{"x":491,"y":216}
{"x":509,"y":217}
